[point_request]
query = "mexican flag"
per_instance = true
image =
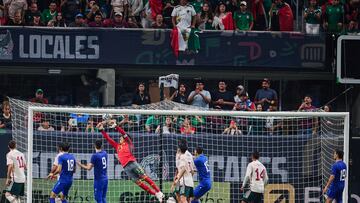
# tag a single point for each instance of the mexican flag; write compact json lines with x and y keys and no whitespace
{"x":185,"y":39}
{"x":228,"y":21}
{"x":156,"y":7}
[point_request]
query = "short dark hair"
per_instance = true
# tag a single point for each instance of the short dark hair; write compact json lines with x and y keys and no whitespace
{"x":308,"y":95}
{"x":199,"y":150}
{"x":12,"y":144}
{"x":255,"y":155}
{"x":61,"y":146}
{"x":183,"y":145}
{"x":339,"y":153}
{"x":98,"y":144}
{"x":66,"y":147}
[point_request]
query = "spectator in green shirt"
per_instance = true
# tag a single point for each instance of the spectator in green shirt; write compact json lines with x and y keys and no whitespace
{"x":197,"y":4}
{"x":334,"y":17}
{"x":152,"y":123}
{"x":49,"y":14}
{"x":312,"y":17}
{"x":243,"y":18}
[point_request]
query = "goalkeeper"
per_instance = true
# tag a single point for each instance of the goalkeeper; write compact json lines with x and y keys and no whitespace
{"x":127,"y":160}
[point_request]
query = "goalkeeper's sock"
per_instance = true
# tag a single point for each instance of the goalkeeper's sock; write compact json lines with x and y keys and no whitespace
{"x":151,"y":183}
{"x":145,"y":187}
{"x":52,"y":200}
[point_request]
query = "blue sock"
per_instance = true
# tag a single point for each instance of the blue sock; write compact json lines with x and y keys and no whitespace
{"x":52,"y":200}
{"x":195,"y":201}
{"x":63,"y":201}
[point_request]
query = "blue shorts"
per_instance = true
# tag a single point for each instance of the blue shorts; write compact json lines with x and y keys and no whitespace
{"x":202,"y":189}
{"x":100,"y":189}
{"x":335,"y":194}
{"x":62,"y":187}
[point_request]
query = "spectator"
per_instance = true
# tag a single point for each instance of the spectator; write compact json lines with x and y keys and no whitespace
{"x":127,"y":121}
{"x":244,"y":103}
{"x":273,"y":125}
{"x":167,"y":10}
{"x":90,"y":126}
{"x":223,"y":99}
{"x":232,"y":5}
{"x":97,"y":21}
{"x":152,"y":124}
{"x":327,"y":108}
{"x":168,"y":126}
{"x":159,"y":22}
{"x":79,"y":21}
{"x":239,"y":91}
{"x":3,"y":17}
{"x":37,"y":21}
{"x":146,"y":17}
{"x":30,"y":13}
{"x":180,"y":96}
{"x":198,"y":122}
{"x":39,"y":97}
{"x":92,"y":11}
{"x":206,"y":18}
{"x":70,"y":8}
{"x":45,"y":126}
{"x":199,"y":97}
{"x":243,"y":19}
{"x":120,"y":6}
{"x":59,"y":21}
{"x":259,"y":107}
{"x":118,"y":21}
{"x":333,"y":18}
{"x":186,"y":128}
{"x":258,"y":12}
{"x":5,"y":117}
{"x":307,"y":104}
{"x":17,"y":20}
{"x":257,"y":124}
{"x":78,"y":122}
{"x":223,"y":20}
{"x":132,"y":22}
{"x":49,"y":14}
{"x":284,"y":14}
{"x":183,"y":16}
{"x":266,"y":96}
{"x":312,"y":16}
{"x":352,"y":15}
{"x":14,"y":7}
{"x":232,"y":129}
{"x":141,"y":97}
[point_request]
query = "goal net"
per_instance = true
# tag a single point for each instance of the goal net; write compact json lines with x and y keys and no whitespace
{"x":296,"y":148}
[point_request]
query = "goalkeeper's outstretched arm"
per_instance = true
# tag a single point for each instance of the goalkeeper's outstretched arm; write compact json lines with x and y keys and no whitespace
{"x":100,"y":126}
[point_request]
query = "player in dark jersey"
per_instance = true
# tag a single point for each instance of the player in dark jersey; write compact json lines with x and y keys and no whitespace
{"x":202,"y":167}
{"x":127,"y":160}
{"x":336,"y":183}
{"x":99,"y":161}
{"x":66,"y":168}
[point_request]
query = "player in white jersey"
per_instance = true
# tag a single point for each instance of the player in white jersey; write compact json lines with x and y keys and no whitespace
{"x":56,"y":160}
{"x":185,"y":170}
{"x":16,"y":166}
{"x":257,"y":175}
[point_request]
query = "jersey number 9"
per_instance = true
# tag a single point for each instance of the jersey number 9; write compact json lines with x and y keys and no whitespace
{"x":103,"y":162}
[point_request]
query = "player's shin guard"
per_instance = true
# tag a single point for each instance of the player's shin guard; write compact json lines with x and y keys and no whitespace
{"x":151,"y":183}
{"x":52,"y":200}
{"x":145,"y":187}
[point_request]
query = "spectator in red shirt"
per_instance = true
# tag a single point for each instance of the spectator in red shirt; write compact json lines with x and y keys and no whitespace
{"x":186,"y":128}
{"x":285,"y":15}
{"x":118,"y":21}
{"x":258,"y":12}
{"x":39,"y":97}
{"x":307,"y":104}
{"x":127,"y":160}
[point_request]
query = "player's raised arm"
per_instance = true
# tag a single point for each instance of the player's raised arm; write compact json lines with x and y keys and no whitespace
{"x":100,"y":126}
{"x":123,"y":133}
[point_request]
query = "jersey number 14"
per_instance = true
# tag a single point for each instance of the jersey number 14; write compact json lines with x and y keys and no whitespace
{"x":261,"y":175}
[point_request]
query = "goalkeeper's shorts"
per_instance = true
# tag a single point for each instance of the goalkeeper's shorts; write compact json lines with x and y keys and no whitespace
{"x":134,"y":170}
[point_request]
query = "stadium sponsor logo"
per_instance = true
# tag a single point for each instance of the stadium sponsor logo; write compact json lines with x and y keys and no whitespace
{"x":6,"y":46}
{"x":59,"y":47}
{"x":279,"y":193}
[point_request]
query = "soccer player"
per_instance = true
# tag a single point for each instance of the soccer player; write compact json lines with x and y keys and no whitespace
{"x":257,"y":175}
{"x":99,"y":162}
{"x":56,"y":160}
{"x":336,"y":183}
{"x":127,"y":160}
{"x":66,"y":169}
{"x":202,"y":167}
{"x":16,"y":166}
{"x":184,"y":175}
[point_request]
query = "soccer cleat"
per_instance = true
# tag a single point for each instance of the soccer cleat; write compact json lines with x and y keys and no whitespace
{"x":160,"y":196}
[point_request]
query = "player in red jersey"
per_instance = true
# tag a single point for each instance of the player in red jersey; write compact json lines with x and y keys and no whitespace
{"x":127,"y":160}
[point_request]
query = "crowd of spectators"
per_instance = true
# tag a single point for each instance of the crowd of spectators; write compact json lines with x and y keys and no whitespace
{"x":265,"y":99}
{"x":276,"y":15}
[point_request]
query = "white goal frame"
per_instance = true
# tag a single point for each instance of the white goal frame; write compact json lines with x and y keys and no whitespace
{"x":32,"y":109}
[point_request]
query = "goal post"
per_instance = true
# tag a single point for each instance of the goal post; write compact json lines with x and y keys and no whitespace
{"x":332,"y":132}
